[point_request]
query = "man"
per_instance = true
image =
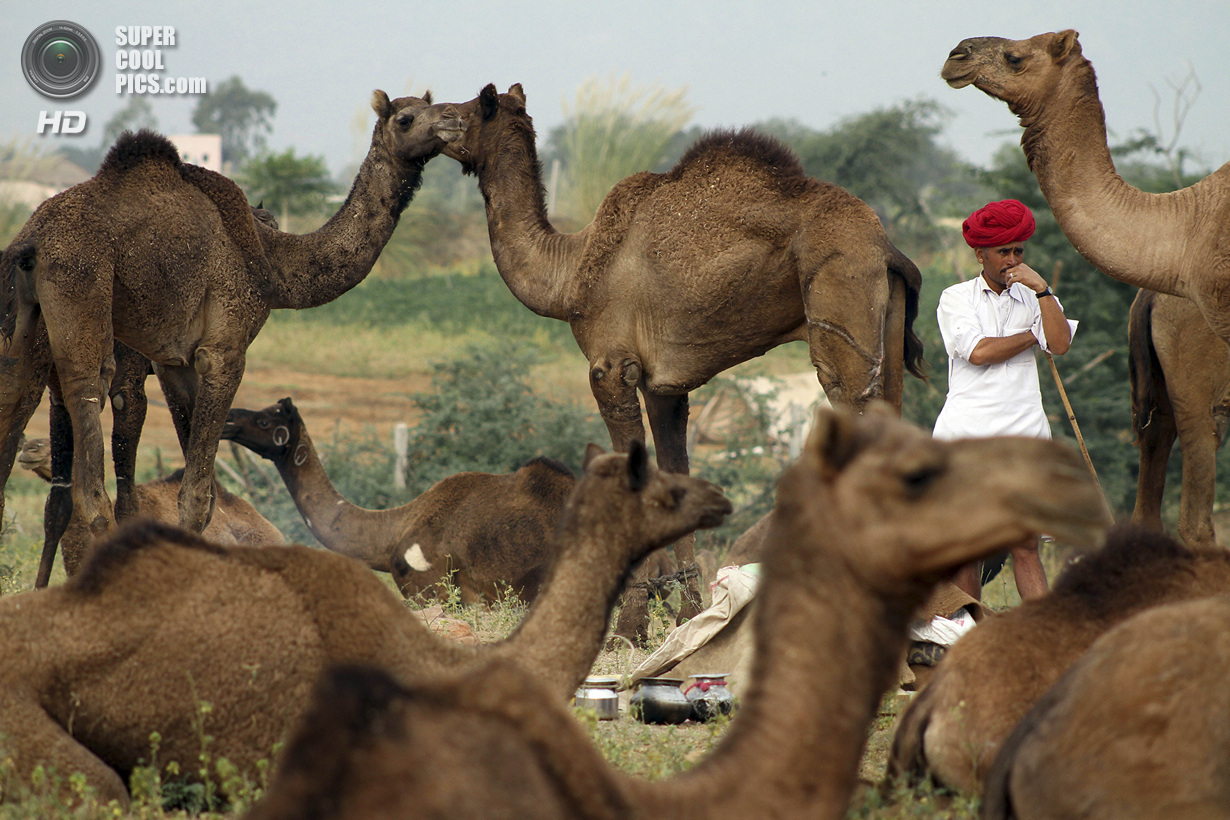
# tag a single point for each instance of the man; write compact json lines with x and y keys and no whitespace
{"x":990,"y":326}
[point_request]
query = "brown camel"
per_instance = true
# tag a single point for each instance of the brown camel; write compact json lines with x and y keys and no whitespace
{"x":1180,"y":374}
{"x":160,"y":620}
{"x":128,"y":408}
{"x":871,"y":516}
{"x":485,"y":533}
{"x":685,"y":274}
{"x":167,"y":258}
{"x":1139,"y":727}
{"x":991,"y":677}
{"x":234,"y":521}
{"x":1051,"y":87}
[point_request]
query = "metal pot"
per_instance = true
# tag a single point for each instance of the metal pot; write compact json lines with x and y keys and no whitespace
{"x":709,"y":697}
{"x":659,"y":700}
{"x":598,"y":694}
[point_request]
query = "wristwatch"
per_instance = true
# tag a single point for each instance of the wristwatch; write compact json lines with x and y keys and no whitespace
{"x":1047,"y":292}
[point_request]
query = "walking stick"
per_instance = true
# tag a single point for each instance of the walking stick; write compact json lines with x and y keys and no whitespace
{"x":1076,"y":428}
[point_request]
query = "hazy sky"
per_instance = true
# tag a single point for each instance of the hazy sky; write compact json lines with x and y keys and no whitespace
{"x":741,"y":62}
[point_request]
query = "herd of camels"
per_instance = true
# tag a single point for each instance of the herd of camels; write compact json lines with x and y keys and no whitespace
{"x":1107,"y":698}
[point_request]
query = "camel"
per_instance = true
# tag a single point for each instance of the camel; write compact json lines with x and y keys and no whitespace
{"x":1139,"y":727}
{"x":872,"y":514}
{"x":485,"y":533}
{"x":159,"y":620}
{"x":128,"y":408}
{"x":167,"y":258}
{"x":1180,"y":375}
{"x":1051,"y":87}
{"x":990,"y":678}
{"x":234,"y":521}
{"x":783,"y":258}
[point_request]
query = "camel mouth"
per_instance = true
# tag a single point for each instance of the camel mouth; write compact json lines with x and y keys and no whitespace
{"x":451,"y":131}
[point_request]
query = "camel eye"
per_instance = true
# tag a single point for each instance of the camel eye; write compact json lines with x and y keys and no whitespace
{"x":919,"y":479}
{"x":404,"y":121}
{"x":262,"y":423}
{"x":1013,"y":60}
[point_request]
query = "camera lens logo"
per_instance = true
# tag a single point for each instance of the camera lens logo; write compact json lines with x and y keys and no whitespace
{"x":60,"y":59}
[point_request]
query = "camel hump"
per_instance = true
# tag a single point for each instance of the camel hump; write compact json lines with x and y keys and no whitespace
{"x":744,"y":142}
{"x":1144,"y":369}
{"x":110,"y":555}
{"x":237,"y":219}
{"x":1132,"y":555}
{"x":131,"y":150}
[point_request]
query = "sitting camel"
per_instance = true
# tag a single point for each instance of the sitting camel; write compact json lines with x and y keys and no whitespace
{"x":683,"y":275}
{"x":160,"y":620}
{"x":486,"y":533}
{"x":1050,"y":85}
{"x":1180,"y":374}
{"x":167,"y":258}
{"x":952,"y":731}
{"x":1139,"y":727}
{"x":234,"y":521}
{"x":871,"y":516}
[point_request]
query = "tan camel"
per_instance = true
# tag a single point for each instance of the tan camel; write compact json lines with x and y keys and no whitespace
{"x":685,"y":274}
{"x":167,"y":258}
{"x":1138,"y":728}
{"x":989,"y":679}
{"x":1180,"y":375}
{"x":871,"y":516}
{"x":1051,"y":87}
{"x":486,"y":533}
{"x":159,"y":620}
{"x":234,"y":521}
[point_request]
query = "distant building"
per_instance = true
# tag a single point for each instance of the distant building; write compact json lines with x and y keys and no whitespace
{"x":29,"y":180}
{"x":204,"y":150}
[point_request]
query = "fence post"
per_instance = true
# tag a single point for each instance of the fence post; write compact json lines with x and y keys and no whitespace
{"x":401,"y":447}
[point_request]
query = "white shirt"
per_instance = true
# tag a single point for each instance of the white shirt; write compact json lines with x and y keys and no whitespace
{"x":993,"y":399}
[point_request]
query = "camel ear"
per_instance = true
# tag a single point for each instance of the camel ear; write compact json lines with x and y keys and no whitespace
{"x":288,"y":406}
{"x":517,"y":93}
{"x":638,"y":466}
{"x":1065,"y":45}
{"x":489,"y":101}
{"x":592,"y":451}
{"x":834,"y":441}
{"x":381,"y":104}
{"x":427,"y":97}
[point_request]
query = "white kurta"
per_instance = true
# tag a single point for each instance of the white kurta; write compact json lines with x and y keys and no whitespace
{"x":994,"y":399}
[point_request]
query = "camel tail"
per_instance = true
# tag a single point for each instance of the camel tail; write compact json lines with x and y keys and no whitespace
{"x":1144,"y":369}
{"x":900,"y":265}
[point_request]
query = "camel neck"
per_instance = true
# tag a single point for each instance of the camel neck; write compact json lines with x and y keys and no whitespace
{"x":316,"y":268}
{"x":562,"y":632}
{"x":536,"y":262}
{"x":1065,"y":143}
{"x":342,"y":527}
{"x":826,"y":649}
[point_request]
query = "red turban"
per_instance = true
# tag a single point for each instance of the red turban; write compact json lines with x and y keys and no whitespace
{"x":998,"y":223}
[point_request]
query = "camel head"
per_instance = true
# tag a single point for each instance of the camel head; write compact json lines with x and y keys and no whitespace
{"x":486,"y":117}
{"x":1022,"y":73}
{"x":627,"y":500}
{"x":900,"y":505}
{"x":412,"y":129}
{"x":35,"y":456}
{"x":273,"y":433}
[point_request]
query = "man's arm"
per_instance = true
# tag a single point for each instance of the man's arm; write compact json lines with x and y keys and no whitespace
{"x":1054,"y":323}
{"x":996,"y":349}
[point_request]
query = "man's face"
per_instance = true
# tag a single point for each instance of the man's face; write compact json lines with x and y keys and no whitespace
{"x":996,"y":262}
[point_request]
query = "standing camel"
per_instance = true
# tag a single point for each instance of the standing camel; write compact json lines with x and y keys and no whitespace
{"x":1177,"y":243}
{"x":874,"y":512}
{"x":685,"y":274}
{"x":1180,"y":375}
{"x":167,"y":258}
{"x":490,"y":533}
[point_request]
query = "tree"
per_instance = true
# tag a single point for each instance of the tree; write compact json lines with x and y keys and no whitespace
{"x":613,"y":129}
{"x":287,"y":184}
{"x":241,"y":116}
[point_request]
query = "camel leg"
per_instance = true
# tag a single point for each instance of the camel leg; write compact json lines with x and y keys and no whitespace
{"x":58,"y":509}
{"x":25,"y":364}
{"x":1156,"y":441}
{"x":179,"y":386}
{"x":220,"y":369}
{"x":128,"y":407}
{"x":668,"y":420}
{"x":614,"y":386}
{"x":1199,"y":441}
